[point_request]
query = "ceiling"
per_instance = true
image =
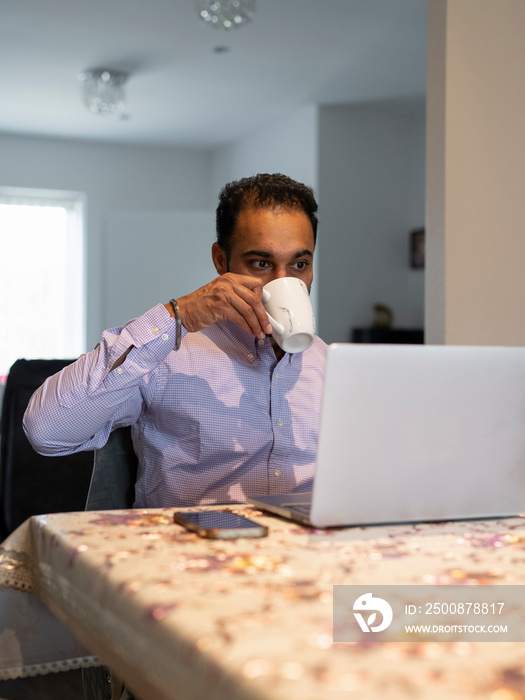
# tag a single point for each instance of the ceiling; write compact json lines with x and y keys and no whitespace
{"x":181,"y":90}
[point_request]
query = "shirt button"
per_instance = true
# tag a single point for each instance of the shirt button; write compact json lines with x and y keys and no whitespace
{"x":280,"y":424}
{"x":276,"y":377}
{"x":119,"y":370}
{"x":277,"y":472}
{"x":261,"y":341}
{"x":251,"y":356}
{"x":165,"y":336}
{"x":155,"y":330}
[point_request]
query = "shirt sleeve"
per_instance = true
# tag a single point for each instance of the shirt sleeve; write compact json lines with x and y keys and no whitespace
{"x":77,"y":408}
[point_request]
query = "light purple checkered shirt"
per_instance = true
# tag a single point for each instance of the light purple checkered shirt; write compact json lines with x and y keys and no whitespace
{"x":218,"y":419}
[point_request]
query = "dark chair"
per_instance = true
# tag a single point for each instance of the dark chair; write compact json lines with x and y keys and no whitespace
{"x":114,"y":473}
{"x":112,"y":487}
{"x":31,"y":484}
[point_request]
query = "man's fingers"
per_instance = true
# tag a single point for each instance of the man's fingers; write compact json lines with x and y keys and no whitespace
{"x":249,"y":305}
{"x":235,"y":309}
{"x":230,"y":297}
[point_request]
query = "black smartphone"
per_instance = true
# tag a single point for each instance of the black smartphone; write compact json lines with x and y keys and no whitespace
{"x":219,"y":524}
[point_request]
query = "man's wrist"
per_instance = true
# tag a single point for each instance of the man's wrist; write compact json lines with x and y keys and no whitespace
{"x":169,"y":308}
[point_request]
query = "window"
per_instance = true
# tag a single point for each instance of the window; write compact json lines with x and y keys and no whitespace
{"x":41,"y":275}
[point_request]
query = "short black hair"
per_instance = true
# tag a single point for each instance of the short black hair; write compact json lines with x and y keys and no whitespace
{"x":263,"y":191}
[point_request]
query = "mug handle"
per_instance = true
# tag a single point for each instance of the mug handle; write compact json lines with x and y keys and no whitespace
{"x":277,"y":327}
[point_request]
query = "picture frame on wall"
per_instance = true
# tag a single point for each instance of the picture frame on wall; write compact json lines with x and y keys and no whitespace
{"x":417,"y":249}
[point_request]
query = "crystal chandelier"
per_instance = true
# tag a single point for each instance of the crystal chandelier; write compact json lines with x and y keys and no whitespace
{"x":226,"y":13}
{"x":103,"y":91}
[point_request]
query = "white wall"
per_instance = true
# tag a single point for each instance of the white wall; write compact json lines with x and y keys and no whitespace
{"x":476,"y":173}
{"x":372,"y":194}
{"x":171,"y":257}
{"x":288,"y":146}
{"x":114,"y":178}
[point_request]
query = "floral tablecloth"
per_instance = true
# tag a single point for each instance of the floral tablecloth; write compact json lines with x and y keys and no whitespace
{"x":178,"y":616}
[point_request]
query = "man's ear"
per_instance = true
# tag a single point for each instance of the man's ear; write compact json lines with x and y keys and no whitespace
{"x":220,"y":259}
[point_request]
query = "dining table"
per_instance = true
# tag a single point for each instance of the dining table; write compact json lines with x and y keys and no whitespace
{"x":182,"y":617}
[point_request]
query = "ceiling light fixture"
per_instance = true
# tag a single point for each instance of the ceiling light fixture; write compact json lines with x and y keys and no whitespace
{"x":226,"y":14}
{"x":103,"y":91}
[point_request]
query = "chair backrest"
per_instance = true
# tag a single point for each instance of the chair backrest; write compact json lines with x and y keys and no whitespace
{"x":31,"y":484}
{"x":114,"y":473}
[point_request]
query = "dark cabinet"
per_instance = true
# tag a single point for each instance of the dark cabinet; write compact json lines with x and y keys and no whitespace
{"x":388,"y":335}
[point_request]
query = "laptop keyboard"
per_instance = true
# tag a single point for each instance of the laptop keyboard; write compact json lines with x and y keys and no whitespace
{"x":302,"y":508}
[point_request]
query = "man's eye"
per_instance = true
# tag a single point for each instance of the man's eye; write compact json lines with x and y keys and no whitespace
{"x":261,"y":264}
{"x":301,"y":265}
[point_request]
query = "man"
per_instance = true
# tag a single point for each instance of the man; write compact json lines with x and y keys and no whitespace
{"x":217,"y":410}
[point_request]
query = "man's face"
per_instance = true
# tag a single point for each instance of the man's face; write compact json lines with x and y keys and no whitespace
{"x":270,"y":243}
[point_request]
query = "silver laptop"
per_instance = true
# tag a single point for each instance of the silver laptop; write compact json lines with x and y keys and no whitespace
{"x":413,"y":433}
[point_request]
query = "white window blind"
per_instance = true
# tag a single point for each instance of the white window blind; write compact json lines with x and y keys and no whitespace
{"x":41,"y":275}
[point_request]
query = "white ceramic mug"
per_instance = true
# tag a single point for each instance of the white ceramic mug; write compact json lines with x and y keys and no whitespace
{"x":289,"y":309}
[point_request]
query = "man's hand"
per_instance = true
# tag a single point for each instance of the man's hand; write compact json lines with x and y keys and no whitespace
{"x":229,"y":297}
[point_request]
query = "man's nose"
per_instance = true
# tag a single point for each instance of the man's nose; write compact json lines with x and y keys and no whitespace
{"x":280,"y":272}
